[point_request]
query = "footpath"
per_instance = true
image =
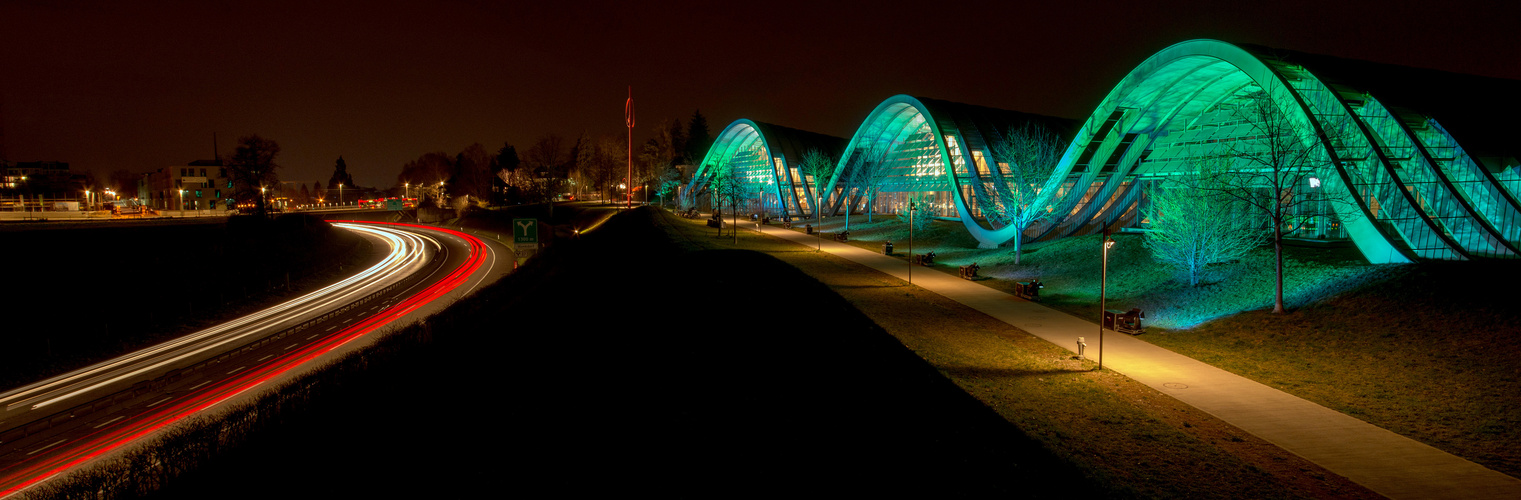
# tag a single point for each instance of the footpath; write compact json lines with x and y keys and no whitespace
{"x":1387,"y":463}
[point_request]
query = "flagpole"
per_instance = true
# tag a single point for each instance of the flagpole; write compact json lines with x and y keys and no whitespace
{"x":628,"y":117}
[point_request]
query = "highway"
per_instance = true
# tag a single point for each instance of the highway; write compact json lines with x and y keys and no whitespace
{"x":53,"y":425}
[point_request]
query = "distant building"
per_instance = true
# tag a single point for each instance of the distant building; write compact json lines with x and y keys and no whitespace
{"x":205,"y":184}
{"x":40,"y":183}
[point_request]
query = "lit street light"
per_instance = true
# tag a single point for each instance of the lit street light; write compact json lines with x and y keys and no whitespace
{"x":340,"y":194}
{"x":182,"y":203}
{"x":1103,"y":285}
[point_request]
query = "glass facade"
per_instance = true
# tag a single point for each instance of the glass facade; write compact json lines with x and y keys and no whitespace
{"x":1345,"y":164}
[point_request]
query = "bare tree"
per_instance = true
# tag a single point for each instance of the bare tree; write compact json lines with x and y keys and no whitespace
{"x":425,"y":176}
{"x":472,"y":172}
{"x":819,"y":168}
{"x":1011,"y":195}
{"x":607,"y":164}
{"x":1270,"y":164}
{"x":252,"y":167}
{"x":917,"y":211}
{"x":1194,"y":224}
{"x":867,"y":169}
{"x":727,"y":188}
{"x":666,"y":182}
{"x":548,"y":160}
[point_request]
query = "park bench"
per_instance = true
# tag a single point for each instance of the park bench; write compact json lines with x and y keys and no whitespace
{"x":1029,"y":290}
{"x":969,"y":272}
{"x":1125,"y":322}
{"x":842,"y":236}
{"x":925,"y":259}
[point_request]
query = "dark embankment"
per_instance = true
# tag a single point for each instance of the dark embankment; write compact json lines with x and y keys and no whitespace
{"x":623,"y":362}
{"x":83,"y":295}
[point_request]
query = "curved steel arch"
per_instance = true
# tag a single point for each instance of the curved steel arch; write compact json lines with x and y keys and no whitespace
{"x":767,"y":158}
{"x":1406,"y":189}
{"x":937,"y":146}
{"x":1163,"y":95}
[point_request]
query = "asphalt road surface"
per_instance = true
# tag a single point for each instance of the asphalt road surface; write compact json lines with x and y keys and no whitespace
{"x":51,"y":426}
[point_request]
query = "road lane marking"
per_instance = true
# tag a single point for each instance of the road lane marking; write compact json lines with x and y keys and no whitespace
{"x":266,"y":357}
{"x":198,"y":386}
{"x":235,"y":370}
{"x":108,"y":422}
{"x":155,"y":403}
{"x":292,"y":345}
{"x":315,"y":335}
{"x":330,"y":328}
{"x":61,"y":441}
{"x":346,"y":321}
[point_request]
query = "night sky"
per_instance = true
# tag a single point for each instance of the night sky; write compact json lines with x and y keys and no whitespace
{"x":143,"y":85}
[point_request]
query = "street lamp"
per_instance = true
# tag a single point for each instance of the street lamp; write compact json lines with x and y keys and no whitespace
{"x":818,"y":230}
{"x":340,"y":194}
{"x":1103,"y":285}
{"x":406,"y":191}
{"x":912,"y":207}
{"x":182,"y":203}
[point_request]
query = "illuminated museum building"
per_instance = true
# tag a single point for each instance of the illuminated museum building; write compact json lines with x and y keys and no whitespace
{"x":1408,"y":164}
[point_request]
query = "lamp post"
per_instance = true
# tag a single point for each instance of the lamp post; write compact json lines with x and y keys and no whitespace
{"x":182,"y":203}
{"x":1103,"y":285}
{"x":340,"y":194}
{"x":406,"y":191}
{"x":912,"y":207}
{"x":818,"y":229}
{"x":87,"y":203}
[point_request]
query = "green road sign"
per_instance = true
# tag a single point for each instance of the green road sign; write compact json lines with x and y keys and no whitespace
{"x":394,"y":204}
{"x":525,"y":230}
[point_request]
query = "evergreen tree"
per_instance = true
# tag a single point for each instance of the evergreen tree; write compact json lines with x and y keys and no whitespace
{"x":698,"y":138}
{"x":341,"y":175}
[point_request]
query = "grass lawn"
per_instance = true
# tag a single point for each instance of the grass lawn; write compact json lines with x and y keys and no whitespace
{"x":1426,"y":350}
{"x":1120,"y":433}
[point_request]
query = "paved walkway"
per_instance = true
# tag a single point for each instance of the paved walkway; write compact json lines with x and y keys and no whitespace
{"x":1382,"y":461}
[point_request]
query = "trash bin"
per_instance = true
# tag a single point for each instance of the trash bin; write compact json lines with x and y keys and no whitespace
{"x":887,"y":248}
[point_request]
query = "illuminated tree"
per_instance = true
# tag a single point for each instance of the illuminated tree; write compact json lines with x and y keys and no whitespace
{"x":1194,"y":224}
{"x":1270,"y":164}
{"x":1011,"y":197}
{"x":666,"y":182}
{"x":819,"y":168}
{"x":251,"y":167}
{"x":920,"y":213}
{"x":867,"y":169}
